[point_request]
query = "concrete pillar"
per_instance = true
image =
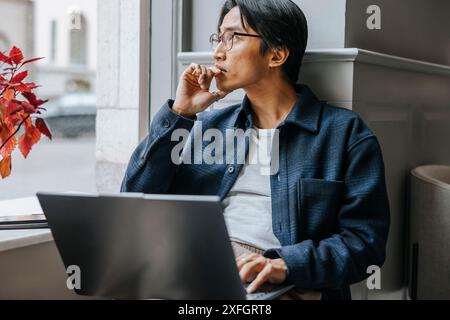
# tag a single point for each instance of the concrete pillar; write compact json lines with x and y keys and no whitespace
{"x":122,"y":86}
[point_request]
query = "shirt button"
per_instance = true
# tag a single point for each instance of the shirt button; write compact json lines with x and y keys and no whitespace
{"x":230,"y":169}
{"x":166,"y":124}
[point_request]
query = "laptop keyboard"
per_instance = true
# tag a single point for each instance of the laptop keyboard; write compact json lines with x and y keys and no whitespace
{"x":268,"y":291}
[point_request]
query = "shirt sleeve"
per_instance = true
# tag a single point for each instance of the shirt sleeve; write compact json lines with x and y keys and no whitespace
{"x":151,"y":169}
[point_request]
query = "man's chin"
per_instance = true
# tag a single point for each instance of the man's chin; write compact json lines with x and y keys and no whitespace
{"x":225,"y":87}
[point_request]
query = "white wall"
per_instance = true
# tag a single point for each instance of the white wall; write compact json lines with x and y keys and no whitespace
{"x":16,"y":25}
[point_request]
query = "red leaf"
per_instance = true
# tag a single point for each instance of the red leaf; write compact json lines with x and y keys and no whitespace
{"x":28,"y":123}
{"x":32,"y":60}
{"x":22,"y":88}
{"x":4,"y":58}
{"x":9,"y":94}
{"x":25,"y":145}
{"x":27,"y":140}
{"x":13,"y":108}
{"x":9,"y":146}
{"x":2,"y":115}
{"x":26,"y":87}
{"x":19,"y":77}
{"x":32,"y":85}
{"x":28,"y":107}
{"x":16,"y":55}
{"x":42,"y":126}
{"x":34,"y":134}
{"x":5,"y":167}
{"x":3,"y":130}
{"x":31,"y":97}
{"x":15,"y":118}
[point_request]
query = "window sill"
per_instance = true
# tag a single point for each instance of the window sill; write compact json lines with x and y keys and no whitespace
{"x":15,"y":239}
{"x":19,"y":238}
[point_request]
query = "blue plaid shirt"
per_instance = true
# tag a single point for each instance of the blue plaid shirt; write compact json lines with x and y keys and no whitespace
{"x":330,"y":209}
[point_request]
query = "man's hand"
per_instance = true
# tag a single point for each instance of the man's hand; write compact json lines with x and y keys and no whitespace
{"x":257,"y":269}
{"x":193,"y":94}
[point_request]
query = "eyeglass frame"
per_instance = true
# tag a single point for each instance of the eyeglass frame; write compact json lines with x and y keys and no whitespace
{"x":220,"y":38}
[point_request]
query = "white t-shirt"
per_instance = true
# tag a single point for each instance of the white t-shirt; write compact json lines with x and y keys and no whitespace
{"x":248,"y":206}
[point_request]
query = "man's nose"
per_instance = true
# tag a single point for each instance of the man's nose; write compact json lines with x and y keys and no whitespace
{"x":219,"y":54}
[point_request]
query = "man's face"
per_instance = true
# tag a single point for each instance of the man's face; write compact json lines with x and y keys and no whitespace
{"x":243,"y":64}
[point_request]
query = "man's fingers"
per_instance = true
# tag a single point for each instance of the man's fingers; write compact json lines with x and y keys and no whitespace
{"x":202,"y":80}
{"x":249,"y":269}
{"x":202,"y":75}
{"x":209,"y":76}
{"x":191,"y":69}
{"x":198,"y":71}
{"x":245,"y":258}
{"x":262,"y":278}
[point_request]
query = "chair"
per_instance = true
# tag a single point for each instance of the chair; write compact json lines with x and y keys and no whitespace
{"x":429,"y":238}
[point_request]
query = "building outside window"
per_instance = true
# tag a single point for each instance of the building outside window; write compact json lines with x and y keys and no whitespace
{"x":64,"y":32}
{"x":78,"y":37}
{"x":53,"y":39}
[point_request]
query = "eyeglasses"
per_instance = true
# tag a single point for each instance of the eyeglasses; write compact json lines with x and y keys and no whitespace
{"x":227,"y":39}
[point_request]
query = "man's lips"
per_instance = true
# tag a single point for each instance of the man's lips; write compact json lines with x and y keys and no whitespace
{"x":220,"y":68}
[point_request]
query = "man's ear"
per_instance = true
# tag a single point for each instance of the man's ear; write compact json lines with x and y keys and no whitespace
{"x":278,"y":57}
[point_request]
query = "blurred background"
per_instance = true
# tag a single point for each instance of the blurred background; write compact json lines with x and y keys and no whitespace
{"x":65,"y":33}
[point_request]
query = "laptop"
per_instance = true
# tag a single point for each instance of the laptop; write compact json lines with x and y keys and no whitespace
{"x":136,"y":246}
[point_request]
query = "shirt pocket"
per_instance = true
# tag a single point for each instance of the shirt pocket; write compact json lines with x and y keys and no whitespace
{"x":319,"y":202}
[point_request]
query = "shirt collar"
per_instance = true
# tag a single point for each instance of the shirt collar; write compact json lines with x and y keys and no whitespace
{"x":305,"y":113}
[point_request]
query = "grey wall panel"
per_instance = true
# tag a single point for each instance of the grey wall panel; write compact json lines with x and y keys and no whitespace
{"x":415,"y":29}
{"x":410,"y":114}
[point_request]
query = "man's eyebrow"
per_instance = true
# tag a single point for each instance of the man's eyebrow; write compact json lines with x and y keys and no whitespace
{"x":232,"y":28}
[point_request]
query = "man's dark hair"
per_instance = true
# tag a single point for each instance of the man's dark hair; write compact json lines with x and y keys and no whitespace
{"x":280,"y":23}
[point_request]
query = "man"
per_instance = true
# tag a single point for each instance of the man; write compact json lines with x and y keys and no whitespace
{"x":322,"y":217}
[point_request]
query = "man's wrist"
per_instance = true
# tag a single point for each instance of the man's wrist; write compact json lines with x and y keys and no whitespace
{"x":182,"y":111}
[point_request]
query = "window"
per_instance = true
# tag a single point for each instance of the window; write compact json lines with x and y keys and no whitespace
{"x":67,"y":163}
{"x":78,"y":38}
{"x":53,"y":40}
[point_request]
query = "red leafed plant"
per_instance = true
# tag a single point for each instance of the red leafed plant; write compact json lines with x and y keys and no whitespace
{"x":19,"y":107}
